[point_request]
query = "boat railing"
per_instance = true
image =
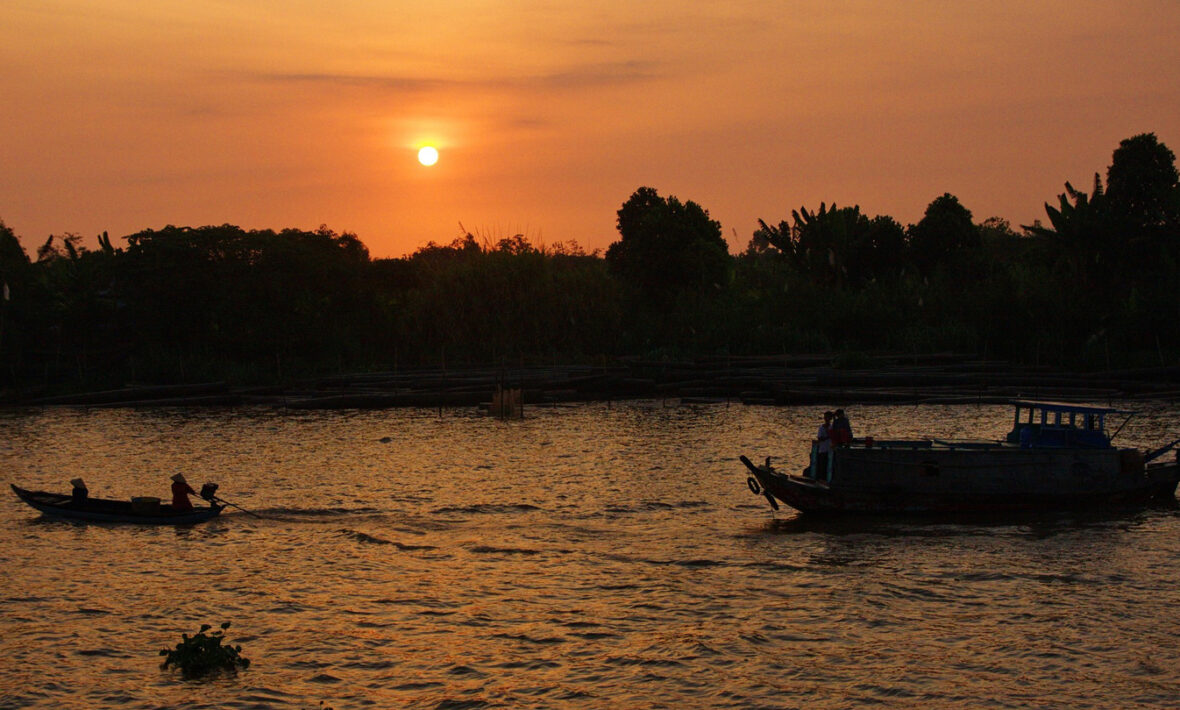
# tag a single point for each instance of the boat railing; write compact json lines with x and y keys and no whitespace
{"x":970,"y":444}
{"x":872,"y":443}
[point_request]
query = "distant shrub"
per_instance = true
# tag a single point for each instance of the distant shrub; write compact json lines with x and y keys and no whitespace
{"x":202,"y":654}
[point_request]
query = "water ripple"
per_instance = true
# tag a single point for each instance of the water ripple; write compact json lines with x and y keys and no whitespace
{"x":600,"y":556}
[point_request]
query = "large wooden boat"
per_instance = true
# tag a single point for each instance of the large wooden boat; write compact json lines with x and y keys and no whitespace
{"x":114,"y":511}
{"x":1056,"y":456}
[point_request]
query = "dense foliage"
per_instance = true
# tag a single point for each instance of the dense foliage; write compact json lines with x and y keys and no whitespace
{"x":1094,"y":287}
{"x":202,"y":654}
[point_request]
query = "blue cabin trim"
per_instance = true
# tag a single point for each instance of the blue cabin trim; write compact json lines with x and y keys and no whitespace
{"x":1060,"y":425}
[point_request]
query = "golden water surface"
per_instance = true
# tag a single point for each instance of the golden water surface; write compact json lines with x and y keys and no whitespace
{"x":590,"y":556}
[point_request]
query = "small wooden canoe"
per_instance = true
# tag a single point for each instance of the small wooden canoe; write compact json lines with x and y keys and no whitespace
{"x":112,"y":511}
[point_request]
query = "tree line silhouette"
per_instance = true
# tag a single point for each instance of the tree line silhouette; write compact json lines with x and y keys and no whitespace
{"x":1095,"y":287}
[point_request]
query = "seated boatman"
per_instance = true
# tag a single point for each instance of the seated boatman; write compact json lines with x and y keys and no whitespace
{"x":80,"y":492}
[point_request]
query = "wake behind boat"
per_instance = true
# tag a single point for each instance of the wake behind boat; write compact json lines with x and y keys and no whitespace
{"x":142,"y":511}
{"x":1056,"y":456}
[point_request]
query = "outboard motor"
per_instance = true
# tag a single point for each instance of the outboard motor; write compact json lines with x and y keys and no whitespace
{"x":209,"y":491}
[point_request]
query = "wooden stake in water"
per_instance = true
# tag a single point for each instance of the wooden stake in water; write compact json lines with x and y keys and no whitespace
{"x":507,"y":403}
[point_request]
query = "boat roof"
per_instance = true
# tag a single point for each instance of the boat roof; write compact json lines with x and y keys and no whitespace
{"x":1067,"y":407}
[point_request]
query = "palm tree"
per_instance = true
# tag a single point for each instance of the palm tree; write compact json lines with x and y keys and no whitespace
{"x":1085,"y":229}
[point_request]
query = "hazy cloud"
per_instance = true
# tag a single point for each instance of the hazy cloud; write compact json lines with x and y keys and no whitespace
{"x":583,"y":77}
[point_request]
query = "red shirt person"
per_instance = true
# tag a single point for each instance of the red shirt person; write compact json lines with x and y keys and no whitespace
{"x":841,"y":430}
{"x":180,"y":491}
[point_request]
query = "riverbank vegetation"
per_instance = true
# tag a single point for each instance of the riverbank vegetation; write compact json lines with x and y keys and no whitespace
{"x":1093,"y":287}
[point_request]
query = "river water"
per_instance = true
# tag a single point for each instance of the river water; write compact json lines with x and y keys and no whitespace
{"x":590,"y":556}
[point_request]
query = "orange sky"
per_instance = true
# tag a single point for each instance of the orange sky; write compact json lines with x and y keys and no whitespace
{"x":123,"y":115}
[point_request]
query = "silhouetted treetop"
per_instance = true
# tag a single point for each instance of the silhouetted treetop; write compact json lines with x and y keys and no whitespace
{"x":667,"y":246}
{"x":1142,"y":182}
{"x":944,"y":230}
{"x":1122,"y":233}
{"x":228,"y":243}
{"x":838,"y":245}
{"x":12,"y":255}
{"x":1081,"y":219}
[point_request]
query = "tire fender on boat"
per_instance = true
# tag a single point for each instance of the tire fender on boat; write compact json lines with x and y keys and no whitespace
{"x":752,"y":482}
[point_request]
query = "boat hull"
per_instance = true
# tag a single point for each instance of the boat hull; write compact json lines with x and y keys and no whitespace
{"x":111,"y":511}
{"x":926,"y":480}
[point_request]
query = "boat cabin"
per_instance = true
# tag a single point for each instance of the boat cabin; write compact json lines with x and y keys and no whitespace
{"x":1061,"y":425}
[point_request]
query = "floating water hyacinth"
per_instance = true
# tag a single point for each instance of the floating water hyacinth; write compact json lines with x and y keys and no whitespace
{"x":202,"y":654}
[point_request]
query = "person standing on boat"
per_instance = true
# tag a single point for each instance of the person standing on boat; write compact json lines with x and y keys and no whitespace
{"x":823,"y":446}
{"x":180,"y":491}
{"x":80,"y":492}
{"x":841,"y":431}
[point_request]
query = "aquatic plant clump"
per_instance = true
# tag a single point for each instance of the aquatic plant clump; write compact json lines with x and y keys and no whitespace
{"x":202,"y":654}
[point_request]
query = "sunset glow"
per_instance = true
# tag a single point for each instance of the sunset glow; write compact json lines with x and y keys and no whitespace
{"x":121,"y":116}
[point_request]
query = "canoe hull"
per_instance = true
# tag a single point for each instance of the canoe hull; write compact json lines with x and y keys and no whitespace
{"x":111,"y":511}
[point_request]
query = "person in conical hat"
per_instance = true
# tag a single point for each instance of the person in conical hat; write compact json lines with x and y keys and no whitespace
{"x":180,"y":491}
{"x":80,"y":491}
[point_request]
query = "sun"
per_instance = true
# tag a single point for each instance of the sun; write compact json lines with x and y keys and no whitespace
{"x":428,"y":155}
